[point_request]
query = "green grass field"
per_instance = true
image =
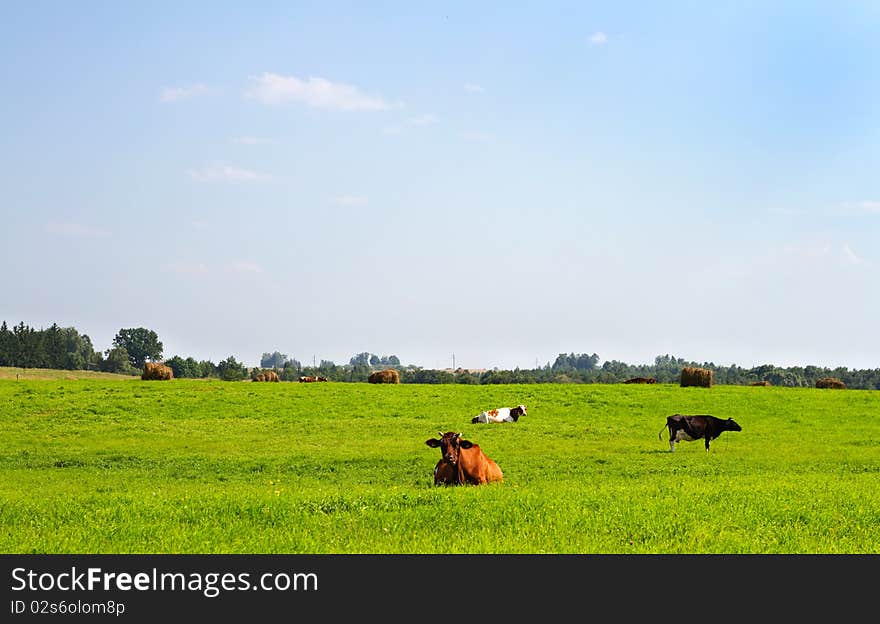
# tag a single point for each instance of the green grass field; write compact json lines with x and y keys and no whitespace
{"x":194,"y":466}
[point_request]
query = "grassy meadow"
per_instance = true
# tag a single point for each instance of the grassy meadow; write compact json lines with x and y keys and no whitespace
{"x":197,"y":466}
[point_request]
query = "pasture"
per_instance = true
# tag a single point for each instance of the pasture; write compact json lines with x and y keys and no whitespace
{"x":196,"y":466}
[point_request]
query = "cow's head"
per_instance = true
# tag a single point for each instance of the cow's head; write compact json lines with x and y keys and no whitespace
{"x":516,"y":412}
{"x":450,"y":444}
{"x":731,"y":425}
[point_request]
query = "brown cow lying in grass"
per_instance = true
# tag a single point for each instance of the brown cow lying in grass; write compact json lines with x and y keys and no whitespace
{"x":462,"y":462}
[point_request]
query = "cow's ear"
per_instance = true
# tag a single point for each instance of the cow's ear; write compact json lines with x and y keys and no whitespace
{"x":433,"y":442}
{"x":465,"y":444}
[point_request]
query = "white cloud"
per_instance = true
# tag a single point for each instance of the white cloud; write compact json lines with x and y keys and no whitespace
{"x":349,"y":200}
{"x":473,"y":88}
{"x":314,"y":92}
{"x":184,"y":268}
{"x":864,"y":207}
{"x":179,"y":94}
{"x":849,"y":256}
{"x":812,"y":251}
{"x":421,"y":120}
{"x":226,"y":173}
{"x":75,"y":230}
{"x":824,"y":252}
{"x":245,"y":267}
{"x":598,"y":38}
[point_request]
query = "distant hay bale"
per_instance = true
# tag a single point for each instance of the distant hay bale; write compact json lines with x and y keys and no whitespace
{"x":155,"y":370}
{"x":267,"y":376}
{"x":763,"y":382}
{"x":692,"y":376}
{"x":830,"y":382}
{"x":388,"y":375}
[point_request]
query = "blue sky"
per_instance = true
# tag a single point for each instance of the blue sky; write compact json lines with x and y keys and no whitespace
{"x":502,"y":183}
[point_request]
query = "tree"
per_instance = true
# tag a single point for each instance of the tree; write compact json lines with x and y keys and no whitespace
{"x":53,"y":347}
{"x":142,"y":344}
{"x":230,"y":370}
{"x":273,"y":360}
{"x":7,"y":342}
{"x":361,"y":359}
{"x":207,"y":368}
{"x":117,"y":360}
{"x":27,"y":346}
{"x":184,"y":367}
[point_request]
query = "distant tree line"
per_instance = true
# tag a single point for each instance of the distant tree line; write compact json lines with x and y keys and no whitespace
{"x":65,"y":348}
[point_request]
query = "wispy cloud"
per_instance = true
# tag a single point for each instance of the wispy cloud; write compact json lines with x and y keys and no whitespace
{"x":185,"y":268}
{"x":864,"y":207}
{"x":420,"y":120}
{"x":244,"y":268}
{"x":179,"y":94}
{"x":227,"y":173}
{"x":349,"y":200}
{"x":473,"y":88}
{"x":75,"y":230}
{"x":812,"y":251}
{"x":598,"y":38}
{"x":320,"y":93}
{"x":252,"y":140}
{"x":849,"y":256}
{"x":826,"y":252}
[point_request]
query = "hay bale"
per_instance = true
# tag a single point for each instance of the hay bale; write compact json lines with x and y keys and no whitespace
{"x":389,"y":375}
{"x":763,"y":382}
{"x":830,"y":382}
{"x":267,"y":376}
{"x":693,"y":376}
{"x":157,"y":371}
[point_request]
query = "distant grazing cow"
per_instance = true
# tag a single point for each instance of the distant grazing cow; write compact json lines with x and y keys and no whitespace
{"x":644,"y":380}
{"x":501,"y":414}
{"x":321,"y":379}
{"x":689,"y":428}
{"x":462,"y":462}
{"x":307,"y":379}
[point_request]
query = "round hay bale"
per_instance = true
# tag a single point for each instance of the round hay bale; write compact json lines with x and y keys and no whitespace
{"x":830,"y":382}
{"x":693,"y":376}
{"x":157,"y":371}
{"x":763,"y":382}
{"x":389,"y":375}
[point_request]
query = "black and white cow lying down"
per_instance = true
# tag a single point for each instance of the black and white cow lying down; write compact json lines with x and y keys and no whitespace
{"x":701,"y":426}
{"x":500,"y":414}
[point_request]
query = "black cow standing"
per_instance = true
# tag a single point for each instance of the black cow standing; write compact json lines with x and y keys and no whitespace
{"x":689,"y":428}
